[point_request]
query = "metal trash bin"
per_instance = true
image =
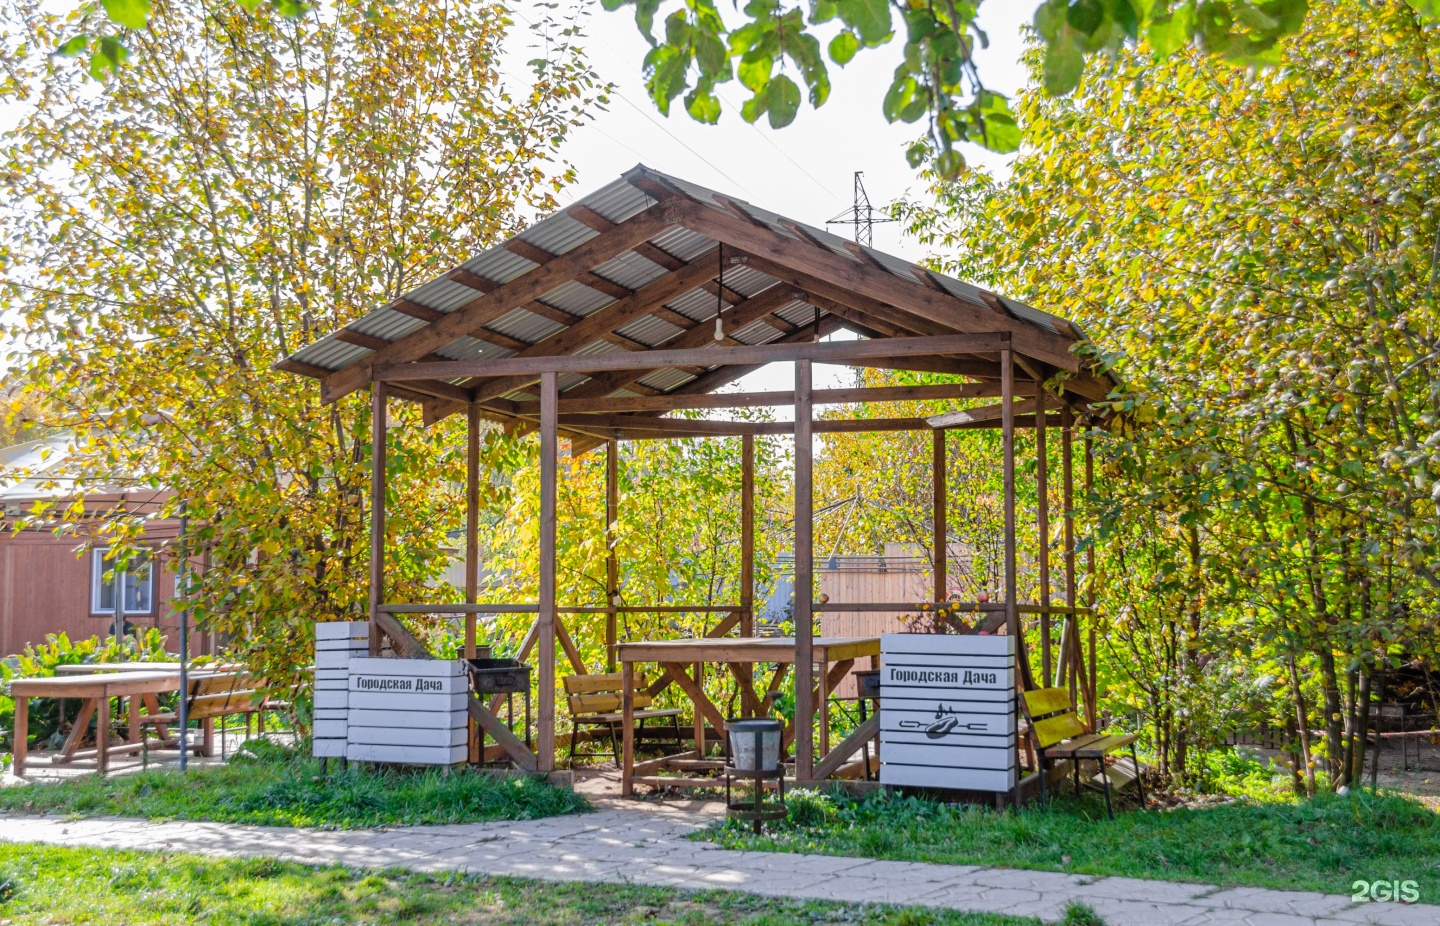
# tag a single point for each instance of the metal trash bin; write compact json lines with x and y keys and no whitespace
{"x":755,"y":757}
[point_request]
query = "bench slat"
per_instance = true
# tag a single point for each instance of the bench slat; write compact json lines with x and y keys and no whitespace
{"x":1044,"y":701}
{"x":1052,"y":730}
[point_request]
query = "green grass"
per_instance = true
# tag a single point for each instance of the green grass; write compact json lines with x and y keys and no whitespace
{"x":277,"y":789}
{"x":1323,"y":844}
{"x":42,"y":884}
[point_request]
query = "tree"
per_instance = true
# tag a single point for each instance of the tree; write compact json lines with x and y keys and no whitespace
{"x":1257,"y":254}
{"x":936,"y":79}
{"x":248,"y":183}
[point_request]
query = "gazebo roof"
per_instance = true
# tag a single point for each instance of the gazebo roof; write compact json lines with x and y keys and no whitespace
{"x":637,"y":265}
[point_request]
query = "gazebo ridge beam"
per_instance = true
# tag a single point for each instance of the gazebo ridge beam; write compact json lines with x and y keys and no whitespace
{"x":905,"y":293}
{"x":839,"y":352}
{"x":487,"y":307}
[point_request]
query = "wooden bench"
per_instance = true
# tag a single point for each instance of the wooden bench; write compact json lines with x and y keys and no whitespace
{"x":595,"y":701}
{"x":216,"y":695}
{"x":1059,"y":734}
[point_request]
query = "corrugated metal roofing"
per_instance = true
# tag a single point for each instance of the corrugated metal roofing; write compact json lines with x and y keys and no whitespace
{"x":616,"y":202}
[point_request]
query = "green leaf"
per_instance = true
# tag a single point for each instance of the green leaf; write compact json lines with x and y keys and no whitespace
{"x":108,"y":57}
{"x":1064,"y":63}
{"x":291,"y":9}
{"x":1169,"y":33}
{"x":843,"y":48}
{"x":702,"y":105}
{"x":997,"y":128}
{"x":754,"y":71}
{"x":132,"y":14}
{"x":783,"y":101}
{"x":72,"y":48}
{"x":1428,"y":9}
{"x":869,"y":18}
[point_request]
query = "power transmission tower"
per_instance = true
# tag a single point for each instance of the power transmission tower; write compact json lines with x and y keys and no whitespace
{"x":861,"y":215}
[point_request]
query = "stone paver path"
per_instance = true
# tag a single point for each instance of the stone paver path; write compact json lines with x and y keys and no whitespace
{"x":649,"y":847}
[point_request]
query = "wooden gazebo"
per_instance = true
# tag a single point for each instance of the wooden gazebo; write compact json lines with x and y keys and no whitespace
{"x":599,"y":319}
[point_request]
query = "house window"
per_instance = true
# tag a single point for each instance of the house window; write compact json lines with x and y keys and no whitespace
{"x":137,"y":579}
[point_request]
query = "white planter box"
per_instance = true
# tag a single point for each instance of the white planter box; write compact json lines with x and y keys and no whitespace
{"x":410,"y":720}
{"x":393,"y":736}
{"x":330,"y":729}
{"x":328,"y":749}
{"x":326,"y":699}
{"x":343,"y":630}
{"x":406,"y":755}
{"x":425,"y":702}
{"x":332,"y":659}
{"x":427,"y":668}
{"x":948,"y":711}
{"x":401,"y":687}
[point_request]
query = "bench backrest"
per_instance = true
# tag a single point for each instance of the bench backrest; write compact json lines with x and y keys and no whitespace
{"x":1052,"y":716}
{"x":220,"y":693}
{"x":601,"y":693}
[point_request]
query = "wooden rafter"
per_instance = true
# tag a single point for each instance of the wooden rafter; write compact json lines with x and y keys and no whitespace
{"x":907,"y":294}
{"x":487,"y":307}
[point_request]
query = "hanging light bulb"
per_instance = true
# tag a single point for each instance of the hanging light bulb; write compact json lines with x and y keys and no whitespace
{"x":719,"y":329}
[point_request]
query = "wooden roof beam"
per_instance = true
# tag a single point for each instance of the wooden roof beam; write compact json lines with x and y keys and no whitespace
{"x":761,"y":306}
{"x":852,"y":396}
{"x":904,"y":293}
{"x":848,"y":353}
{"x":487,"y":307}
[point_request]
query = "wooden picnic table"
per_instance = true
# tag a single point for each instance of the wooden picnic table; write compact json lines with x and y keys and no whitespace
{"x":91,"y":668}
{"x":683,"y":662}
{"x":95,"y":690}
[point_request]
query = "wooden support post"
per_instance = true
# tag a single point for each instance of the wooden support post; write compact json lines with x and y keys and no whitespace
{"x":472,"y":553}
{"x":612,"y":560}
{"x":627,"y":714}
{"x":747,"y":536}
{"x":549,"y":402}
{"x":699,"y":669}
{"x":940,"y":538}
{"x":472,"y":523}
{"x":1042,"y":529}
{"x":378,"y":436}
{"x":804,"y":578}
{"x":1092,"y":707}
{"x":1007,"y":443}
{"x":1072,"y":651}
{"x":747,"y":560}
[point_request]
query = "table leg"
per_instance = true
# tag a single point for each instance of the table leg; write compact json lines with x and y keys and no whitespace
{"x":207,"y":735}
{"x":134,"y":718}
{"x":627,"y":707}
{"x":102,"y":734}
{"x":699,"y":716}
{"x":21,"y":733}
{"x":824,"y":705}
{"x":77,"y":731}
{"x":152,"y":704}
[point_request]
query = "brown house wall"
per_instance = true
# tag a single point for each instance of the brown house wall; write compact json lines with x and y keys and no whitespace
{"x":45,"y":589}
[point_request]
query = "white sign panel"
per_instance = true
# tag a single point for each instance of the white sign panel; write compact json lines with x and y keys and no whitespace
{"x":947,"y":711}
{"x":409,"y":711}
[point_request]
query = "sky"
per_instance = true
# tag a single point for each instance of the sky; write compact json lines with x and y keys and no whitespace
{"x":804,"y":171}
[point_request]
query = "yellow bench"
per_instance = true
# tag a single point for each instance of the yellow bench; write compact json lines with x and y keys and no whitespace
{"x":595,"y":701}
{"x":1060,"y":734}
